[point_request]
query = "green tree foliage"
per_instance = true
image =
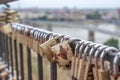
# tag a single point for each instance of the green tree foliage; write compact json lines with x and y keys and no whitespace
{"x":112,"y":42}
{"x":96,"y":15}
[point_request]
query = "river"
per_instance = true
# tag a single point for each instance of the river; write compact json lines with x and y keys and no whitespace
{"x":75,"y":30}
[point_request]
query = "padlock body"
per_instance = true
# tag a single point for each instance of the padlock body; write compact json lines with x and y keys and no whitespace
{"x":104,"y":74}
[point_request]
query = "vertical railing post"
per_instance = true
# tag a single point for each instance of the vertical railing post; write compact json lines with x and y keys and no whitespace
{"x":7,"y":51}
{"x":11,"y":56}
{"x":21,"y":61}
{"x":53,"y":68}
{"x":0,"y":45}
{"x":29,"y":63}
{"x":16,"y":59}
{"x":40,"y":67}
{"x":4,"y":51}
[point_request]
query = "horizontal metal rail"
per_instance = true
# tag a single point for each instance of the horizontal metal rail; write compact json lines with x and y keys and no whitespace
{"x":25,"y":29}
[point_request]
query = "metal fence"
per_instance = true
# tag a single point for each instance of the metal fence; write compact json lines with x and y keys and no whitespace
{"x":9,"y":45}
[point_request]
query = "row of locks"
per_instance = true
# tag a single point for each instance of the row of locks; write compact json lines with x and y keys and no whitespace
{"x":9,"y":16}
{"x":87,"y":60}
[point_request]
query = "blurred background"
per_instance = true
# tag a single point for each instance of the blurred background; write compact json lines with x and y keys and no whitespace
{"x":94,"y":20}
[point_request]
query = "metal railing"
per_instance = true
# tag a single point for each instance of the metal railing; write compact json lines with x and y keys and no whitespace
{"x":9,"y":45}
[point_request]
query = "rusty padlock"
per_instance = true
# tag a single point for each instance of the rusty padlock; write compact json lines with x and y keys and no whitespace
{"x":104,"y":74}
{"x":45,"y":48}
{"x":62,"y":54}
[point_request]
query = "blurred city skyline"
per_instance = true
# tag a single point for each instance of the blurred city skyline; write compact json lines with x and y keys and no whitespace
{"x":80,"y":4}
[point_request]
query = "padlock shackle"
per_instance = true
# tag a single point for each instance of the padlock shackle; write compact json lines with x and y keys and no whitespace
{"x":92,"y":51}
{"x":104,"y":53}
{"x":87,"y":49}
{"x":82,"y":47}
{"x":76,"y":49}
{"x":115,"y":66}
{"x":108,"y":49}
{"x":97,"y":53}
{"x":79,"y":43}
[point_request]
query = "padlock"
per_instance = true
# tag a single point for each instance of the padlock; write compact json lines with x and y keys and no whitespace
{"x":26,"y":36}
{"x":35,"y":42}
{"x":9,"y":12}
{"x":2,"y":16}
{"x":62,"y":54}
{"x":30,"y":41}
{"x":7,"y":28}
{"x":90,"y":59}
{"x":2,"y":67}
{"x":19,"y":35}
{"x":104,"y":74}
{"x":74,"y":57}
{"x":4,"y":75}
{"x":116,"y":68}
{"x":88,"y":70}
{"x":45,"y":48}
{"x":76,"y":60}
{"x":82,"y":62}
{"x":96,"y":56}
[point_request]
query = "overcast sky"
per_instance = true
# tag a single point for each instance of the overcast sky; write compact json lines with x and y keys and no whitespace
{"x":66,"y":3}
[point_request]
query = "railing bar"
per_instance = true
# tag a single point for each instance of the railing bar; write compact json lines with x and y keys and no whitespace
{"x":21,"y":61}
{"x":7,"y":52}
{"x":4,"y":38}
{"x":11,"y":56}
{"x":29,"y":63}
{"x":16,"y":59}
{"x":40,"y":67}
{"x":0,"y":45}
{"x":53,"y":68}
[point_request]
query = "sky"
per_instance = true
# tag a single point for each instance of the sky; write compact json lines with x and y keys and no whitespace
{"x":66,"y":3}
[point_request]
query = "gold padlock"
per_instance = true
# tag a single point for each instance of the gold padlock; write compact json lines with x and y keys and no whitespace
{"x":96,"y":67}
{"x":62,"y":54}
{"x":74,"y":60}
{"x":35,"y":45}
{"x":89,"y":65}
{"x":7,"y":28}
{"x":82,"y":62}
{"x":45,"y":48}
{"x":104,"y":74}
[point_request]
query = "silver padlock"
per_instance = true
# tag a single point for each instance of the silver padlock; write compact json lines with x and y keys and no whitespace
{"x":104,"y":74}
{"x":116,"y":68}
